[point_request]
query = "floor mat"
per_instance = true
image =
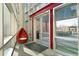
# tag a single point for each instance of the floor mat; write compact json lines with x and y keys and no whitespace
{"x":36,"y":47}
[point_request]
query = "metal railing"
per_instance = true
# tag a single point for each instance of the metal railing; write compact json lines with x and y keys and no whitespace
{"x":9,"y":47}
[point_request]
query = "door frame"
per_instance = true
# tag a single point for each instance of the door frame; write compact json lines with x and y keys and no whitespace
{"x":40,"y":15}
{"x":78,"y":25}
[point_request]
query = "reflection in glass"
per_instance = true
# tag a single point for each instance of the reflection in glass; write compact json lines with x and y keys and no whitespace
{"x":66,"y":31}
{"x":42,"y":28}
{"x":66,"y":36}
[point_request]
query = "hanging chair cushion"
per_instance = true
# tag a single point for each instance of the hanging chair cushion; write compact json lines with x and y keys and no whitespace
{"x":22,"y":36}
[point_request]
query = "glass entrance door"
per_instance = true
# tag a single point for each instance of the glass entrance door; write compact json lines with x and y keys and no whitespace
{"x":43,"y":29}
{"x":66,"y":39}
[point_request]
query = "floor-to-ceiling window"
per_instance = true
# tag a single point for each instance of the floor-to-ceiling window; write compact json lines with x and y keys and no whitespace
{"x":66,"y":29}
{"x":9,"y":29}
{"x":7,"y":23}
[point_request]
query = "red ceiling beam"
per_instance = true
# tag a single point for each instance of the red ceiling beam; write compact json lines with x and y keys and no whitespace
{"x":48,"y":7}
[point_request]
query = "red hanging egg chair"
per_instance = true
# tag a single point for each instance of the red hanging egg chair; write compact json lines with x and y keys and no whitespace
{"x":22,"y":36}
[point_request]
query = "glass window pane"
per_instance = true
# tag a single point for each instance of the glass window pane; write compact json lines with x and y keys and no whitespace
{"x":6,"y":21}
{"x":45,"y":23}
{"x":66,"y":30}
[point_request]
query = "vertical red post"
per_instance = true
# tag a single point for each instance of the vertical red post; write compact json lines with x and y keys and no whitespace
{"x":51,"y":28}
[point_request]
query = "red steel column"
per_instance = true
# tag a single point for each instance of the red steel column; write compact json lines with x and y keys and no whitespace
{"x":51,"y":28}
